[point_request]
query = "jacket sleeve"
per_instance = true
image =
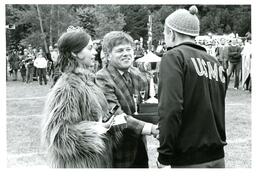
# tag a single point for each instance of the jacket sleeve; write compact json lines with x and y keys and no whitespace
{"x":170,"y":105}
{"x":109,"y":92}
{"x":66,"y":131}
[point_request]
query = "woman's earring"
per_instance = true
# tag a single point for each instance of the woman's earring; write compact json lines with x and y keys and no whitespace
{"x":73,"y":54}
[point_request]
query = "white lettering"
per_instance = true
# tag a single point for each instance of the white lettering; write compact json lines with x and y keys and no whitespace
{"x":206,"y":69}
{"x":213,"y":73}
{"x":199,"y":72}
{"x":204,"y":65}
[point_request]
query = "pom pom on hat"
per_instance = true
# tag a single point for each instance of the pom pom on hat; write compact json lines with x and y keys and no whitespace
{"x":193,"y":10}
{"x":184,"y":21}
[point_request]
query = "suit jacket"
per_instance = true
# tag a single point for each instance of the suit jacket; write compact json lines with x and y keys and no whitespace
{"x":116,"y":92}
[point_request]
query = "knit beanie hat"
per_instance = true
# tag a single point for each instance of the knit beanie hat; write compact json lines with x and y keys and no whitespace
{"x":184,"y":21}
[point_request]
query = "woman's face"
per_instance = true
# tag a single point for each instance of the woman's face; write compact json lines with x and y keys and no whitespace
{"x":86,"y":56}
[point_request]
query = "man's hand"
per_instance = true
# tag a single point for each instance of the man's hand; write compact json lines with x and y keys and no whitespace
{"x":155,"y":131}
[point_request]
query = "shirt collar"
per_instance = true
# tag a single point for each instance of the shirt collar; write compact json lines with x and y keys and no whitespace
{"x":122,"y":72}
{"x":189,"y":44}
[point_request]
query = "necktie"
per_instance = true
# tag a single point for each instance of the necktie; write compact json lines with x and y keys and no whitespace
{"x":128,"y":81}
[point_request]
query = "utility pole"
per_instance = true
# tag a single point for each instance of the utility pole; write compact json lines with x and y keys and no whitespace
{"x":149,"y":33}
{"x":50,"y":30}
{"x":42,"y":29}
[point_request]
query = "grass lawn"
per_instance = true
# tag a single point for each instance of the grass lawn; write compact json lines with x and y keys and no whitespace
{"x":25,"y":104}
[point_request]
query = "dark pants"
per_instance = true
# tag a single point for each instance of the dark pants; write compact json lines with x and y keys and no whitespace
{"x":29,"y":74}
{"x":224,"y":63}
{"x":42,"y":75}
{"x":141,"y":160}
{"x":15,"y":76}
{"x":234,"y":67}
{"x":247,"y":83}
{"x":23,"y":76}
{"x":220,"y":163}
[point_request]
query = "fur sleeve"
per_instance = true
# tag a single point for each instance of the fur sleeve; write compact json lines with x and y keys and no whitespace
{"x":71,"y":139}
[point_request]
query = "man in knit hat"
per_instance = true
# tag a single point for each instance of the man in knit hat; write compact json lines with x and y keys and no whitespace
{"x":192,"y":89}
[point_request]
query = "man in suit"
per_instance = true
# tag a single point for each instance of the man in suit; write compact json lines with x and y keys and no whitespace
{"x":119,"y":81}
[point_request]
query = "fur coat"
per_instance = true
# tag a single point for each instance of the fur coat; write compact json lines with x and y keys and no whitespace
{"x":71,"y":131}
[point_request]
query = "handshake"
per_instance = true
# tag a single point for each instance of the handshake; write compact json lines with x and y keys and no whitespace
{"x":116,"y":122}
{"x":119,"y":122}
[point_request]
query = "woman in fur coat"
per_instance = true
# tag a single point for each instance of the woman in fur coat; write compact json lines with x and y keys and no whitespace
{"x":73,"y":131}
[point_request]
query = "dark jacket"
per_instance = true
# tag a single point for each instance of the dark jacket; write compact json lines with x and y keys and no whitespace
{"x":192,"y":91}
{"x":14,"y":61}
{"x":234,"y":54}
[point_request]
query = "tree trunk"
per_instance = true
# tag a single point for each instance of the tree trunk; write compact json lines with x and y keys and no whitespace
{"x":58,"y":22}
{"x":50,"y":30}
{"x":42,"y":29}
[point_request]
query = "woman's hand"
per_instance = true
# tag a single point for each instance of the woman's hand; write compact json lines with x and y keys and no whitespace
{"x":109,"y":123}
{"x":102,"y":128}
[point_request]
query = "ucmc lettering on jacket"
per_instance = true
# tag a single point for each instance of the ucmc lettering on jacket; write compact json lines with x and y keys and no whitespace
{"x":208,"y":69}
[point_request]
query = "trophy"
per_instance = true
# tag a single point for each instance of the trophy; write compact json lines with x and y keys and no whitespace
{"x":152,"y":93}
{"x":135,"y":99}
{"x":142,"y":94}
{"x":148,"y":109}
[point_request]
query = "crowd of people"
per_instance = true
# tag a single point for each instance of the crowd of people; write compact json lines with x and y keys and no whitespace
{"x":94,"y":88}
{"x":235,"y":56}
{"x":32,"y":63}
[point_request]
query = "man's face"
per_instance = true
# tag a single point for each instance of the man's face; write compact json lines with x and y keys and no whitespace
{"x":168,"y":37}
{"x":50,"y":48}
{"x":222,"y":41}
{"x":122,"y":56}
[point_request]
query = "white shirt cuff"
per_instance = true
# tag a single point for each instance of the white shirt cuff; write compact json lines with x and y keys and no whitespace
{"x":147,"y":129}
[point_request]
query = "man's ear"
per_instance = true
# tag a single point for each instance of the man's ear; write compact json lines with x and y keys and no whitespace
{"x":173,"y":34}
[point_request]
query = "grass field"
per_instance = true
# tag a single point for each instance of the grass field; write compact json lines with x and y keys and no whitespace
{"x":25,"y":104}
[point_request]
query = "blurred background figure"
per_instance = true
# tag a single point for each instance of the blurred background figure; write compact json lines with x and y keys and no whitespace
{"x":138,"y":51}
{"x":234,"y":57}
{"x":23,"y":70}
{"x":161,"y":49}
{"x":14,"y":62}
{"x":41,"y":64}
{"x":222,"y":53}
{"x":246,"y":63}
{"x":29,"y":63}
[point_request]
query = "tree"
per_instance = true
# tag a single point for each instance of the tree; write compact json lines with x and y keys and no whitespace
{"x":42,"y":29}
{"x":13,"y":36}
{"x":25,"y":18}
{"x":109,"y":18}
{"x":225,"y":19}
{"x":87,"y":19}
{"x":136,"y":18}
{"x":100,"y":19}
{"x":159,"y":17}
